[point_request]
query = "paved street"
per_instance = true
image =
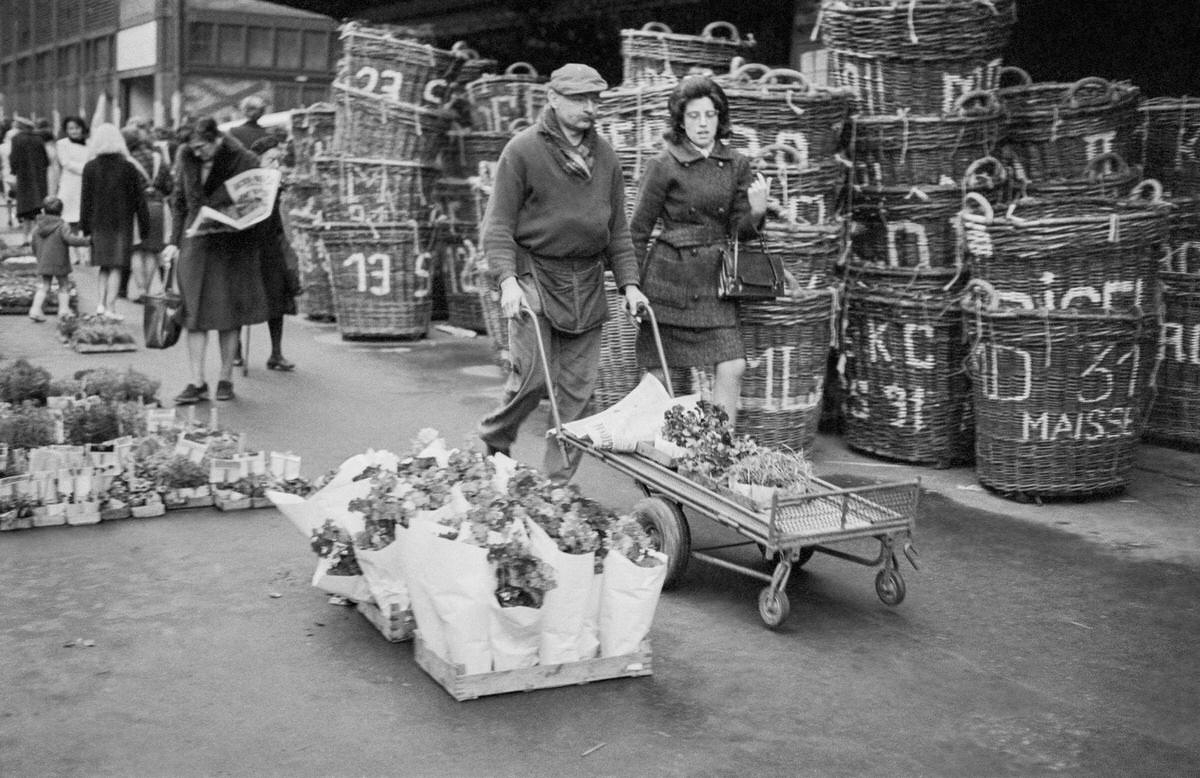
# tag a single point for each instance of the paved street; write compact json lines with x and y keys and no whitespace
{"x":1035,"y":640}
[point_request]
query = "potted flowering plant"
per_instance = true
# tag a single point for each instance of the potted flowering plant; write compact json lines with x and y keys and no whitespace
{"x":711,"y":447}
{"x":144,"y":500}
{"x":630,"y":587}
{"x":114,"y":504}
{"x":15,"y":512}
{"x":338,"y":571}
{"x":182,"y":482}
{"x":90,"y":422}
{"x":233,"y":496}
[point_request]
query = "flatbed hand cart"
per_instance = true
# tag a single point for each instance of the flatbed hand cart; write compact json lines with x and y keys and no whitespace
{"x":788,"y":533}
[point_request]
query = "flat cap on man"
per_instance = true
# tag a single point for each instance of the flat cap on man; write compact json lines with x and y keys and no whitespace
{"x":576,"y":79}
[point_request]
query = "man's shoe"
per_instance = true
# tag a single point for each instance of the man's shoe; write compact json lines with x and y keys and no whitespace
{"x":279,"y":363}
{"x":493,"y":450}
{"x":192,"y":394}
{"x":224,"y":390}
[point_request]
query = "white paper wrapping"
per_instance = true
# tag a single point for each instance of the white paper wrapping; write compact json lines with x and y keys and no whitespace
{"x":635,"y":417}
{"x":515,"y":636}
{"x":414,"y":546}
{"x":589,"y":635}
{"x":352,"y":587}
{"x":564,"y":607}
{"x":383,"y":570}
{"x":628,"y":599}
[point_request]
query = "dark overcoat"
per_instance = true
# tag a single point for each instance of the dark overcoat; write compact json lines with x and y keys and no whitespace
{"x":29,"y":163}
{"x":110,"y":200}
{"x":220,"y":276}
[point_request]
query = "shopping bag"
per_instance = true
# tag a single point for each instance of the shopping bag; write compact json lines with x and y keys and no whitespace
{"x":160,"y":317}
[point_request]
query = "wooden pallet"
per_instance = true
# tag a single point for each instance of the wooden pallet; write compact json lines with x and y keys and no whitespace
{"x":103,"y":348}
{"x":396,"y":626}
{"x":469,"y":687}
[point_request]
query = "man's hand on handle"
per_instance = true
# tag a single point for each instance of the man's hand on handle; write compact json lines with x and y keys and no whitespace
{"x":511,"y":297}
{"x":169,"y":253}
{"x":634,"y":300}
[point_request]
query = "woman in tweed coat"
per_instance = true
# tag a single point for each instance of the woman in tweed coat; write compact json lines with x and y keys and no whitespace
{"x":705,"y":194}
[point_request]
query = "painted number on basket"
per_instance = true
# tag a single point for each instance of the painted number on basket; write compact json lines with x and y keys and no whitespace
{"x":909,"y":405}
{"x":1180,"y":343}
{"x":388,"y":81}
{"x":381,"y":276}
{"x":919,"y":238}
{"x":1099,"y":143}
{"x":778,"y":395}
{"x":954,"y":88}
{"x":880,"y":350}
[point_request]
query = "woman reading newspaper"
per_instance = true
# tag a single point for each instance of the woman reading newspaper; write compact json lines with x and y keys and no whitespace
{"x":217,"y":239}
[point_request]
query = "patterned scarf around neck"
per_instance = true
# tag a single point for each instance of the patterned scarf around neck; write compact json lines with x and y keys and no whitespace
{"x":575,"y":160}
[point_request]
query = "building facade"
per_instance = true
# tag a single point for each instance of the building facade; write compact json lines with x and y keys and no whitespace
{"x":160,"y":59}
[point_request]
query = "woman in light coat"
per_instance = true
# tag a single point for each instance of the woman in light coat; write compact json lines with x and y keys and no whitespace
{"x":74,"y":152}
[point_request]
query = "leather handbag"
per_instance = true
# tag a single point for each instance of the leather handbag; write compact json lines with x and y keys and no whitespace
{"x":160,"y":318}
{"x":750,"y":273}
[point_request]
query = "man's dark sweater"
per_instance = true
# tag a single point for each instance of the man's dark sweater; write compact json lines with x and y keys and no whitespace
{"x":538,"y":206}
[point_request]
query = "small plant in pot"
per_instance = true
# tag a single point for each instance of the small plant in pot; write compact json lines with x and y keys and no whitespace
{"x":179,"y":478}
{"x":768,"y":473}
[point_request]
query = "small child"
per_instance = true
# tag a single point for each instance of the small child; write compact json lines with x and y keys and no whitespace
{"x":51,"y":237}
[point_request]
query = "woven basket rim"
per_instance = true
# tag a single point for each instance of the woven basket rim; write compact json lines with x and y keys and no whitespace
{"x":741,"y":42}
{"x":340,"y":158}
{"x":351,"y":91}
{"x":1124,"y":93}
{"x":972,"y":305}
{"x":1169,"y":104}
{"x":1135,"y":210}
{"x":866,"y":6}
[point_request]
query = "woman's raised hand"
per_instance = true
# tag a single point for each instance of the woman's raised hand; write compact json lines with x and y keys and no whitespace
{"x":757,"y":194}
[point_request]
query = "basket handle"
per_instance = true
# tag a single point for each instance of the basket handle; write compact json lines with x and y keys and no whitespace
{"x":1072,"y":98}
{"x":987,"y":100}
{"x":973,"y":179}
{"x":1026,"y":79}
{"x":778,"y":148}
{"x":980,"y":202}
{"x":1156,"y":190}
{"x":521,"y":69}
{"x":1107,"y":164}
{"x":708,"y":30}
{"x":749,"y":71}
{"x":461,"y":50}
{"x":785,"y":75}
{"x":656,"y":27}
{"x":978,"y":289}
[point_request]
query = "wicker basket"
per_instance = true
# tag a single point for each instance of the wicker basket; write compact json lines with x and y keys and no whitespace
{"x":375,"y":61}
{"x":654,"y":53}
{"x":1106,"y":176}
{"x":633,"y":119}
{"x":1052,"y":130}
{"x":802,"y":193}
{"x":475,"y":153}
{"x":916,"y":150}
{"x":1183,"y":255}
{"x":1059,"y":254}
{"x":883,"y":280}
{"x":916,"y":29}
{"x":316,"y":302}
{"x":370,"y":127}
{"x":464,"y":283}
{"x":917,"y":226}
{"x":462,"y":204}
{"x":1060,"y":398}
{"x":619,"y":371}
{"x":1175,"y":416}
{"x":779,"y":107}
{"x":907,"y":396}
{"x":312,"y":136}
{"x":810,"y":252}
{"x":375,"y":191}
{"x":787,"y":344}
{"x":497,"y":101}
{"x":1170,"y":150}
{"x":381,"y":278}
{"x":885,"y":85}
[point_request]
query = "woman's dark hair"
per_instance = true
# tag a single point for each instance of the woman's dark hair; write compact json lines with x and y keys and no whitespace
{"x":205,"y":127}
{"x":693,"y":88}
{"x":79,"y":120}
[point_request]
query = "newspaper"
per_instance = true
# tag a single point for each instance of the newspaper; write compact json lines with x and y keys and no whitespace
{"x":252,"y":193}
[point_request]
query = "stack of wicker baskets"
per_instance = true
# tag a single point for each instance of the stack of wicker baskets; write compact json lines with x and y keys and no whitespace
{"x":1065,"y":340}
{"x":1170,"y":154}
{"x":654,"y":54}
{"x":302,"y":203}
{"x":392,"y":97}
{"x":927,"y":125}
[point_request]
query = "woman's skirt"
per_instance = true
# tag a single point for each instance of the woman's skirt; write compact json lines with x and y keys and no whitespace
{"x":689,"y":346}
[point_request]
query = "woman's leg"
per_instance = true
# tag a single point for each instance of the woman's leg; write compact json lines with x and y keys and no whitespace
{"x":141,"y":269}
{"x":101,"y":290}
{"x":64,"y":297}
{"x":727,"y":387}
{"x":39,"y":299}
{"x":276,"y":360}
{"x":197,"y":345}
{"x":228,"y":341}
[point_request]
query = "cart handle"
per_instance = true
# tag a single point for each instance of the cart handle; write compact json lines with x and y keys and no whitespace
{"x":541,"y":344}
{"x":662,"y":356}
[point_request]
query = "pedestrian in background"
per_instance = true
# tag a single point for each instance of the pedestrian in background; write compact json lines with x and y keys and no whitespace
{"x":45,"y":131}
{"x":111,"y":200}
{"x":155,"y":174}
{"x":279,"y":263}
{"x":705,"y":195}
{"x":8,"y":182}
{"x":219,"y":274}
{"x":74,"y":152}
{"x":250,"y":131}
{"x":51,"y":239}
{"x":555,"y":221}
{"x":29,"y":165}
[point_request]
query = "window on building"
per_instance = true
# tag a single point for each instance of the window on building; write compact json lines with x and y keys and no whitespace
{"x":5,"y":74}
{"x":261,"y":47}
{"x":68,"y":64}
{"x":24,"y":66}
{"x":316,"y":51}
{"x":102,"y":54}
{"x":231,"y":41}
{"x":201,"y":36}
{"x":287,"y":49}
{"x":41,"y":67}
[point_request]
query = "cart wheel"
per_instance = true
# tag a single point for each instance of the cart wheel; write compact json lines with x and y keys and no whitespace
{"x":889,"y":586}
{"x":667,"y":527}
{"x":773,"y":607}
